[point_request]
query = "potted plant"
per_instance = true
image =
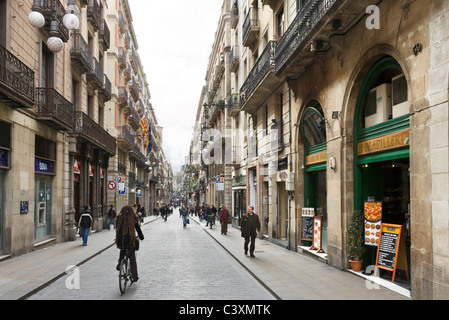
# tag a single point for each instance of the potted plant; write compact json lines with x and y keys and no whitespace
{"x":355,"y":241}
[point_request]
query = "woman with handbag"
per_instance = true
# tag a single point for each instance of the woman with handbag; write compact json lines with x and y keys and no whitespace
{"x":126,"y":238}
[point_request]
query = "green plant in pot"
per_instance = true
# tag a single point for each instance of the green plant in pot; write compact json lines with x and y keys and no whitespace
{"x":355,"y":240}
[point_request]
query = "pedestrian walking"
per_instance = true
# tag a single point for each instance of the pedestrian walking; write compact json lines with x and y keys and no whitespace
{"x":112,"y":216}
{"x":85,"y":223}
{"x":126,"y":238}
{"x":250,"y":226}
{"x":224,"y":219}
{"x":185,"y":216}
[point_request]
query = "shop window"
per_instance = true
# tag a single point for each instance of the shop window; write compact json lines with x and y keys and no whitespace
{"x":314,"y":126}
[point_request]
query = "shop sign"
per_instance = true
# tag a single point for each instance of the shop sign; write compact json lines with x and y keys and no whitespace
{"x":373,"y":221}
{"x":219,"y":184}
{"x":384,"y":143}
{"x":316,"y":158}
{"x":44,"y":166}
{"x":391,"y":254}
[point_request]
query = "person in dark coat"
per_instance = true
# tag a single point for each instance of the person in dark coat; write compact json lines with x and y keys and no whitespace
{"x":224,"y":219}
{"x":250,"y":226}
{"x":126,"y":238}
{"x":85,"y":223}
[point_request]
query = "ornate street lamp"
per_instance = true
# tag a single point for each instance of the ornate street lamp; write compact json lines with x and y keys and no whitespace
{"x":70,"y":21}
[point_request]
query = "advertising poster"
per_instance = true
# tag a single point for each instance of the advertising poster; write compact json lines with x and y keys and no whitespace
{"x":373,"y":221}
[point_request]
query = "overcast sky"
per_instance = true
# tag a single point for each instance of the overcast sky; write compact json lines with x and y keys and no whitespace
{"x":175,"y":40}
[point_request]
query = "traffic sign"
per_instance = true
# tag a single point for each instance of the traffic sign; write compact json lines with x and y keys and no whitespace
{"x":111,"y":185}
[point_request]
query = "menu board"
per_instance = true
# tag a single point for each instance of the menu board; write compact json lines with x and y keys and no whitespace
{"x":307,"y":224}
{"x":373,"y":221}
{"x":391,"y":249}
{"x":317,"y":235}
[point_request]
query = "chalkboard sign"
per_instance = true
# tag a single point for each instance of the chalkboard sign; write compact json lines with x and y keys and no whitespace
{"x":391,"y":249}
{"x":307,"y":224}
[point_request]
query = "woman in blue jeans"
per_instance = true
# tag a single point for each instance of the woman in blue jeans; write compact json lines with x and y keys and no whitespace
{"x":85,"y":223}
{"x":185,"y":215}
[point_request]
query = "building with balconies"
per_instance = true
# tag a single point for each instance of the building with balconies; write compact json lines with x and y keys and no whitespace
{"x":54,"y":149}
{"x":132,"y":118}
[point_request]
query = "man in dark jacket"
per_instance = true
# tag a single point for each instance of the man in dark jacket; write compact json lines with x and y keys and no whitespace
{"x":250,"y":226}
{"x":224,"y":219}
{"x":85,"y":223}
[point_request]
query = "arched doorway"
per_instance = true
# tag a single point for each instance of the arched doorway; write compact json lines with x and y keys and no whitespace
{"x":381,"y":149}
{"x":313,"y":130}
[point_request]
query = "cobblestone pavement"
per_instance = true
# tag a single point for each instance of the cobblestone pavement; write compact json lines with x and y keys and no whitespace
{"x":174,"y":263}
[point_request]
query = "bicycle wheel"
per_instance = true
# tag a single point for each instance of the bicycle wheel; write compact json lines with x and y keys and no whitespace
{"x":123,"y":275}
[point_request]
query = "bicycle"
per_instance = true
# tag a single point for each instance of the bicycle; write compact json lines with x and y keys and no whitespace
{"x":125,"y":274}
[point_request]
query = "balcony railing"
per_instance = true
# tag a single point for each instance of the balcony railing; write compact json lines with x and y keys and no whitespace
{"x":137,"y":154}
{"x":80,"y":53}
{"x":233,"y":104}
{"x":127,"y":73}
{"x":293,"y":39}
{"x":134,"y":89}
{"x":105,"y":35}
{"x":125,"y":135}
{"x":251,"y":28}
{"x":87,"y":129}
{"x":60,"y":12}
{"x":53,"y":109}
{"x":234,"y":14}
{"x":95,"y":78}
{"x":123,"y":96}
{"x":264,"y":66}
{"x":133,"y":59}
{"x":121,"y":21}
{"x":94,"y":14}
{"x":16,"y":81}
{"x":105,"y":92}
{"x":234,"y":58}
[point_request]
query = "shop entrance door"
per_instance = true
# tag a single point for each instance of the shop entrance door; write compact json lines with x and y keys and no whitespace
{"x":42,"y":218}
{"x":317,"y":198}
{"x":265,"y":206}
{"x":282,"y":212}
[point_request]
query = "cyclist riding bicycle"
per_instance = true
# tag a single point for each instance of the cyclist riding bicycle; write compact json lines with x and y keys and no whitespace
{"x":126,"y":238}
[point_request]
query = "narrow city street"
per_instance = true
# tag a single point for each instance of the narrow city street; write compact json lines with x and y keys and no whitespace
{"x":174,"y":263}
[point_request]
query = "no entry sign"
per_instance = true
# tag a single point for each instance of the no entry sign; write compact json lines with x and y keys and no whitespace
{"x":111,"y":185}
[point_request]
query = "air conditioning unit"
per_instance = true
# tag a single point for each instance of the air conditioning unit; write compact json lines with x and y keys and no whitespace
{"x":378,"y":105}
{"x":399,"y":94}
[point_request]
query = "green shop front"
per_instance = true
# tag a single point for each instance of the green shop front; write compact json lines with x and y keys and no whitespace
{"x":382,"y":158}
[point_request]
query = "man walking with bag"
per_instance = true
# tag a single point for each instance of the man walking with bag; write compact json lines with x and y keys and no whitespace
{"x":250,"y":226}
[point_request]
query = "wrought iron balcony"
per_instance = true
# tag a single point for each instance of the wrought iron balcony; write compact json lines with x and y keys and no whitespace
{"x":234,"y":105}
{"x":133,"y":60}
{"x":80,"y":53}
{"x":133,"y":116}
{"x":87,"y":129}
{"x":127,"y":40}
{"x":125,"y":139}
{"x":94,"y":14}
{"x":123,"y":97}
{"x":95,"y":78}
{"x":315,"y":22}
{"x":121,"y":21}
{"x":234,"y":14}
{"x":261,"y":81}
{"x":16,"y":81}
{"x":121,"y":58}
{"x":53,"y":109}
{"x":251,"y":28}
{"x":234,"y":58}
{"x":137,"y":154}
{"x":105,"y":35}
{"x":134,"y":89}
{"x":127,"y":73}
{"x":105,"y":92}
{"x":46,"y":6}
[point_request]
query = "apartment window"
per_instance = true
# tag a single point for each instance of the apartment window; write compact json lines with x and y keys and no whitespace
{"x":75,"y":94}
{"x":299,"y":4}
{"x":45,"y":149}
{"x":3,"y":22}
{"x":47,"y":67}
{"x":90,"y":106}
{"x":280,"y":23}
